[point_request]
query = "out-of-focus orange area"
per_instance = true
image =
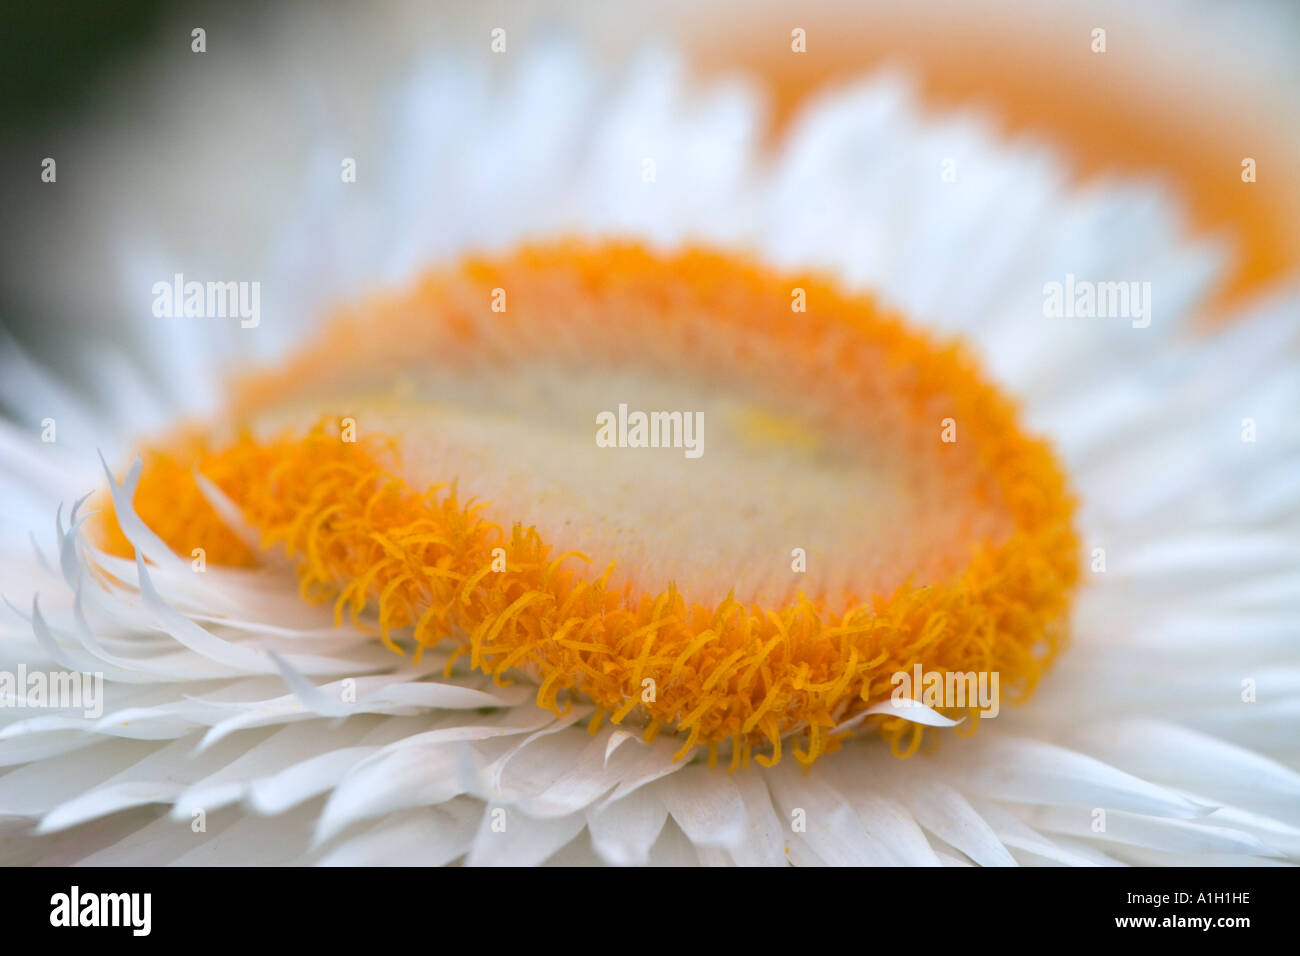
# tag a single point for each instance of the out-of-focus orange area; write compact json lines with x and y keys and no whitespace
{"x":1114,"y":112}
{"x":169,"y":501}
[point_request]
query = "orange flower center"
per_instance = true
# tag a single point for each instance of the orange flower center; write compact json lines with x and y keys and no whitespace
{"x":709,"y":499}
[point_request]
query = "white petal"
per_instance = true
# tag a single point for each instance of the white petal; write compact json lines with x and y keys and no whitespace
{"x":523,"y":841}
{"x":623,"y":832}
{"x":706,"y":805}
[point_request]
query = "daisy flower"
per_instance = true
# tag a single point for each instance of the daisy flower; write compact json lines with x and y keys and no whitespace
{"x":500,"y":454}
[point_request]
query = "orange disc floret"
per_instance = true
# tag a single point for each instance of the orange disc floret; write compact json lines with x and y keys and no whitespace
{"x":385,"y":541}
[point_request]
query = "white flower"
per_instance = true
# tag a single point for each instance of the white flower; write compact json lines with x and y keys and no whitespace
{"x":239,"y":724}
